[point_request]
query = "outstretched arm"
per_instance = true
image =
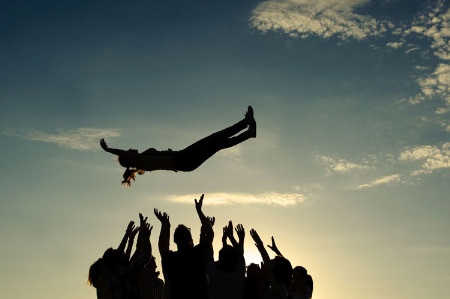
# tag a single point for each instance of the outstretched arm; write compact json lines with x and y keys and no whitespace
{"x":241,"y":236}
{"x":128,"y":231}
{"x":211,"y":220}
{"x":131,"y":241}
{"x":114,"y":151}
{"x":143,"y":245}
{"x":274,"y":247}
{"x":260,"y":245}
{"x":206,"y":225}
{"x":164,"y":235}
{"x":229,"y":232}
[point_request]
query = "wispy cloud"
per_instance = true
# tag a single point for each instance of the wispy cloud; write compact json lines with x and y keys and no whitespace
{"x":83,"y":139}
{"x":218,"y":199}
{"x":341,"y":165}
{"x":324,"y":18}
{"x":338,"y":18}
{"x":232,"y":153}
{"x":433,"y":157}
{"x":386,"y":180}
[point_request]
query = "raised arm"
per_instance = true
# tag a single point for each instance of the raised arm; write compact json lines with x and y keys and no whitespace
{"x":131,"y":237}
{"x":128,"y":231}
{"x":211,"y":220}
{"x":241,"y":236}
{"x":114,"y":151}
{"x":224,"y":236}
{"x":260,"y":245}
{"x":275,"y":248}
{"x":229,"y":232}
{"x":144,"y":246}
{"x":206,"y":225}
{"x":164,"y":235}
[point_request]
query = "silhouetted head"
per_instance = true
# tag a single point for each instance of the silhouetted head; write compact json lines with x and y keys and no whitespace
{"x":300,"y":275}
{"x":182,"y":237}
{"x":228,"y":259}
{"x":253,"y":270}
{"x":113,"y":258}
{"x":94,"y":272}
{"x":282,"y":270}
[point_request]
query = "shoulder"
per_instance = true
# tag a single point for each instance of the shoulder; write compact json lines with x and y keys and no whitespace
{"x":150,"y":151}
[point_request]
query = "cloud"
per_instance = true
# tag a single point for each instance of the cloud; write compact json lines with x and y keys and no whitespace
{"x":337,"y":18}
{"x":83,"y":139}
{"x":218,"y":199}
{"x":433,"y":157}
{"x":341,"y":165}
{"x":395,"y":45}
{"x":386,"y":180}
{"x":324,"y":18}
{"x":435,"y":84}
{"x":232,"y":153}
{"x":435,"y":25}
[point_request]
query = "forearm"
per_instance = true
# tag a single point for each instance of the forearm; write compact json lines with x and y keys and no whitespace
{"x":264,"y":255}
{"x":164,"y":239}
{"x":129,"y":248}
{"x":122,"y":244}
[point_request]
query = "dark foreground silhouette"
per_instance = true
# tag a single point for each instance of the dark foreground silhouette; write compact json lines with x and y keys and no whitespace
{"x":187,"y":159}
{"x":190,"y":271}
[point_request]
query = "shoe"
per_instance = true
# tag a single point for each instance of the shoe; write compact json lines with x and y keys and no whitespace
{"x":249,"y":117}
{"x":252,"y":130}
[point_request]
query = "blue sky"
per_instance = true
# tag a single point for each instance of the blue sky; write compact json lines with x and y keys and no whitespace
{"x":349,"y":172}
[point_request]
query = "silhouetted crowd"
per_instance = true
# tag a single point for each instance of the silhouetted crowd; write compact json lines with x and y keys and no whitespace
{"x":191,"y":272}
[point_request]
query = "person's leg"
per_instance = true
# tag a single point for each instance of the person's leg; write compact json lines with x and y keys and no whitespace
{"x":219,"y":140}
{"x":194,"y":155}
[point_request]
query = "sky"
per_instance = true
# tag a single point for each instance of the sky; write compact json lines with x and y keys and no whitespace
{"x":349,"y":171}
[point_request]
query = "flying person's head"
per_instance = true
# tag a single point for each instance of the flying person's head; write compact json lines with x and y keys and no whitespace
{"x":128,"y":175}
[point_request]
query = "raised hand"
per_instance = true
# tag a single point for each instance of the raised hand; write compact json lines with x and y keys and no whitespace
{"x":260,"y":245}
{"x":224,"y":236}
{"x":240,"y":231}
{"x":163,"y":217}
{"x":274,"y":247}
{"x":133,"y":233}
{"x":256,"y":238}
{"x":211,"y":220}
{"x":198,"y":204}
{"x":103,"y":144}
{"x":229,"y":229}
{"x":241,"y":236}
{"x":142,"y":220}
{"x":130,"y":228}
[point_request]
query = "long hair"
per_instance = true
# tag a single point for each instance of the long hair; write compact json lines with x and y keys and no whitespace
{"x":128,"y":175}
{"x":94,"y":272}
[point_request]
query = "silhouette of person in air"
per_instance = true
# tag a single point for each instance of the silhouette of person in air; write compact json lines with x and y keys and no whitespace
{"x":187,"y":159}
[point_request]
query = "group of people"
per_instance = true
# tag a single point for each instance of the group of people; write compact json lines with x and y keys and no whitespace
{"x":190,"y":271}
